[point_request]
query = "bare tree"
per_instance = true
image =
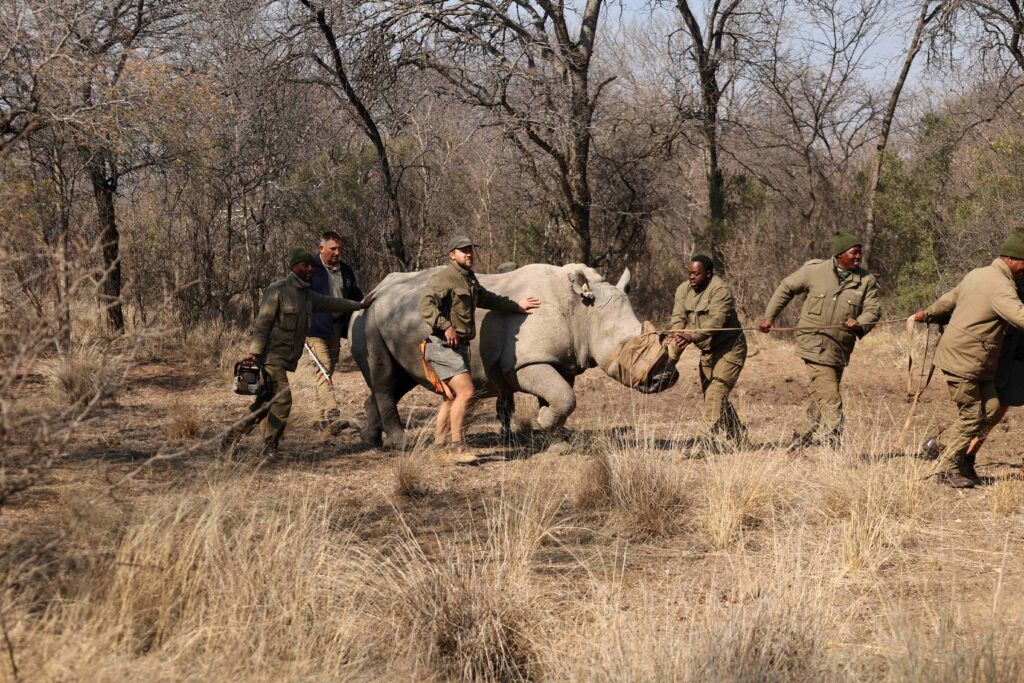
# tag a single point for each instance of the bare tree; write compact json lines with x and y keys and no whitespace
{"x":928,"y":11}
{"x":717,"y":36}
{"x":326,"y":16}
{"x":527,"y":62}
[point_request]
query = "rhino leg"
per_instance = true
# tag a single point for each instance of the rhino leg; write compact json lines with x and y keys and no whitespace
{"x":373,"y":430}
{"x":556,"y":396}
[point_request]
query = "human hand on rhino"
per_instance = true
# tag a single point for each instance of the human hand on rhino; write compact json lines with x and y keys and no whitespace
{"x":528,"y":304}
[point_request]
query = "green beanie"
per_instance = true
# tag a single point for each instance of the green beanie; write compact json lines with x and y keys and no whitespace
{"x":1014,"y":245}
{"x":298,"y":255}
{"x":844,"y":241}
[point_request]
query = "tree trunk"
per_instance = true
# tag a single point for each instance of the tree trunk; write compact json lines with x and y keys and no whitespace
{"x":393,"y":237}
{"x":883,"y":138}
{"x":104,"y":186}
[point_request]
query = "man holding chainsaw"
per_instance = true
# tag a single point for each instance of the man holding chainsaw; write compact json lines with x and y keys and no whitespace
{"x":842,"y":305}
{"x":704,"y":302}
{"x":331,"y":277}
{"x":448,"y":306}
{"x":278,"y":338}
{"x":978,"y":310}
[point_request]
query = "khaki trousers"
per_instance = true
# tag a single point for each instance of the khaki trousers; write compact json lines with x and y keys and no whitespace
{"x":825,"y":419}
{"x":719,"y":371}
{"x":327,"y":350}
{"x":976,"y":402}
{"x":272,"y":407}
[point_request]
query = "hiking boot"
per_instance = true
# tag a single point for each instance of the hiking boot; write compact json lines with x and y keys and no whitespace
{"x":456,"y":454}
{"x":955,"y":480}
{"x":270,"y":451}
{"x":931,"y":449}
{"x":966,"y":470}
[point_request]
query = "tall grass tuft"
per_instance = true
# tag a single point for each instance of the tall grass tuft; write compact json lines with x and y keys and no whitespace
{"x":85,"y":375}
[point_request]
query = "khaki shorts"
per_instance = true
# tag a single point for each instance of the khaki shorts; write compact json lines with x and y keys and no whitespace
{"x":446,"y":361}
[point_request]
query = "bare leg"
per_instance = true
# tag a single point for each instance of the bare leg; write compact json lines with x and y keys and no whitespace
{"x":441,"y":428}
{"x":462,"y":385}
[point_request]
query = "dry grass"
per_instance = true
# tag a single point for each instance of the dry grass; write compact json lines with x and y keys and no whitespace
{"x":1006,"y":497}
{"x":84,"y":375}
{"x":183,"y":423}
{"x":740,"y":492}
{"x":619,"y":560}
{"x":642,"y":491}
{"x":412,"y":475}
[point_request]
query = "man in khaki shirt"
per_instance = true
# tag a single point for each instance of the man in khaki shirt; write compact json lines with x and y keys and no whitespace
{"x":969,"y":351}
{"x":704,"y":301}
{"x":448,"y":306}
{"x":843,"y":304}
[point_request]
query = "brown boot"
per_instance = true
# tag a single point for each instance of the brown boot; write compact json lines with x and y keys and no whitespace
{"x":967,"y":469}
{"x":455,"y":454}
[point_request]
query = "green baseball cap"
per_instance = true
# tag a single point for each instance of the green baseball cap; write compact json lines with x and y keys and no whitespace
{"x":459,"y":242}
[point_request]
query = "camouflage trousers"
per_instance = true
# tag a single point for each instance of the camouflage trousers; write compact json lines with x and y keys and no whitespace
{"x":271,"y":407}
{"x":719,"y":371}
{"x":976,"y":403}
{"x":824,"y":419}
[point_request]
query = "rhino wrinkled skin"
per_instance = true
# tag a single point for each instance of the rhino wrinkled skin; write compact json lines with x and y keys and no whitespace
{"x":582,"y":322}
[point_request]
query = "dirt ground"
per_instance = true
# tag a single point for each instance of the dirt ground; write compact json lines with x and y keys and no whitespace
{"x":887,"y":553}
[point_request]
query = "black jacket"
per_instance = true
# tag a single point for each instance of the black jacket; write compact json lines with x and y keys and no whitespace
{"x":323,"y":323}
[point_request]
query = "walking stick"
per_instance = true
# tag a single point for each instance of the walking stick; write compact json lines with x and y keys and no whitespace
{"x":320,"y":365}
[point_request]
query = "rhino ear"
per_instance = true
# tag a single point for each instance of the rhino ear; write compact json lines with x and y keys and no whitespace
{"x":624,"y":281}
{"x":581,"y":285}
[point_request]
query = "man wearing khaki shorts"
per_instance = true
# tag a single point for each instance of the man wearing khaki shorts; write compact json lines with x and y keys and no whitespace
{"x":448,"y":306}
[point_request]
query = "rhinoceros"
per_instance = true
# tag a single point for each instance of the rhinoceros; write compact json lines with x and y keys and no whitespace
{"x":583,"y":322}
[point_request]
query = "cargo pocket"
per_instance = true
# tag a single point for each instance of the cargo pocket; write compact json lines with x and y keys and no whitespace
{"x":854,"y":303}
{"x":815,"y":303}
{"x":289,"y":316}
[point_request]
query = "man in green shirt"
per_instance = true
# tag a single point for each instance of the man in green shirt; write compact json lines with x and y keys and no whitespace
{"x":278,"y":336}
{"x":842,"y":305}
{"x":448,"y":306}
{"x":979,"y":310}
{"x":704,"y":301}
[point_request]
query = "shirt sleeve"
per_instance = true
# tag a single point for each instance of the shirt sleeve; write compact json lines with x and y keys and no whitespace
{"x":430,"y":306}
{"x":1007,"y":305}
{"x":330,"y":304}
{"x":791,"y":286}
{"x":264,"y":321}
{"x":943,"y":307}
{"x":678,"y":321}
{"x":871,"y":312}
{"x":495,"y":302}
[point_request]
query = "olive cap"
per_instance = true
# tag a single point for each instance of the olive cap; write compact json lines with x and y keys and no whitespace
{"x":458,"y":242}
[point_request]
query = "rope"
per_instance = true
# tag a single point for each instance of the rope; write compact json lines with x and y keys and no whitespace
{"x":802,"y":328}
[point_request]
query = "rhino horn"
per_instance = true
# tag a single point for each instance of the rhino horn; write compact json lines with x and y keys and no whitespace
{"x":624,"y":281}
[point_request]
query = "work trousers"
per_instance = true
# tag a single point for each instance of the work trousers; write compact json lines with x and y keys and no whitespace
{"x":976,"y":403}
{"x":271,"y":407}
{"x":825,"y":419}
{"x":719,"y":371}
{"x":327,"y":350}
